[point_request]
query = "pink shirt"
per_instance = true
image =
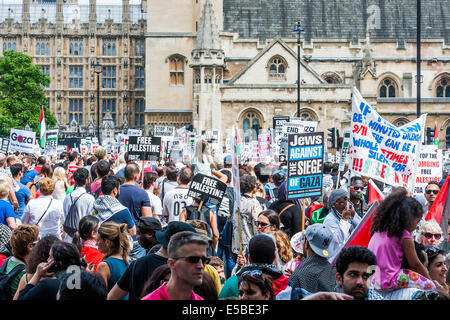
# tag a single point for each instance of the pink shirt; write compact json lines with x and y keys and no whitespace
{"x":389,"y":253}
{"x":161,"y":294}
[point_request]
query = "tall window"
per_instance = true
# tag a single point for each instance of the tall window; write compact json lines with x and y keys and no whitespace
{"x":443,"y":88}
{"x":140,"y":47}
{"x":109,"y":47}
{"x":139,"y":112}
{"x":42,"y":47}
{"x":76,"y":77}
{"x":176,"y":67}
{"x":139,"y":83}
{"x":109,"y":105}
{"x":388,"y":89}
{"x":250,"y":127}
{"x":46,"y":70}
{"x":76,"y":47}
{"x":9,"y":44}
{"x":109,"y":77}
{"x":277,"y":68}
{"x":76,"y":110}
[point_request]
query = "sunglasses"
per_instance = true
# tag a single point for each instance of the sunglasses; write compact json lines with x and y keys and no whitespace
{"x":430,"y":235}
{"x":430,"y":191}
{"x":262,"y":224}
{"x":194,"y":259}
{"x":358,"y":188}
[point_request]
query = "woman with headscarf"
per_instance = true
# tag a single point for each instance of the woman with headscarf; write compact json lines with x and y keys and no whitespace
{"x":341,"y":219}
{"x":289,"y":211}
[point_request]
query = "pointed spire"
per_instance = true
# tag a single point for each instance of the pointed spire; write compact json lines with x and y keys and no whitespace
{"x":208,"y":32}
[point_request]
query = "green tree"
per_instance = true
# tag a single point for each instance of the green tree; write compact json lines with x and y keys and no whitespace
{"x":22,"y":93}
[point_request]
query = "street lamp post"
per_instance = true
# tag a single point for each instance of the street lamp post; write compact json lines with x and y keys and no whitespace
{"x":98,"y":70}
{"x":298,"y":30}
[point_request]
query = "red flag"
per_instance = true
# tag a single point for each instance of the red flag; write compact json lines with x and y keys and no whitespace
{"x":374,"y":192}
{"x":440,"y":209}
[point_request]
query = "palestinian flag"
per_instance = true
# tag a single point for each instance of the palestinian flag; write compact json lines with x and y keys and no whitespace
{"x":436,"y":136}
{"x":42,"y":129}
{"x":440,"y":209}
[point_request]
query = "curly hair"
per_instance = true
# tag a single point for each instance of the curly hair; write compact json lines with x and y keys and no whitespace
{"x":283,"y":245}
{"x":396,"y":213}
{"x":248,"y":183}
{"x":40,"y":252}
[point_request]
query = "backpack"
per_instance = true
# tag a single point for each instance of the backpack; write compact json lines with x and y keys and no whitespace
{"x":271,"y":192}
{"x":70,"y":225}
{"x":97,"y":192}
{"x":193,"y":214}
{"x":6,"y":279}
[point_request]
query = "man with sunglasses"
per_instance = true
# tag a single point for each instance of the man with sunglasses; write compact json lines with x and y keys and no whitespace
{"x":431,"y":192}
{"x":186,"y":260}
{"x":357,"y":195}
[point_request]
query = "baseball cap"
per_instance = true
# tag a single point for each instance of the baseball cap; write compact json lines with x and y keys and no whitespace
{"x":279,"y":176}
{"x":173,"y":227}
{"x":149,"y":223}
{"x":319,"y":238}
{"x":228,"y":160}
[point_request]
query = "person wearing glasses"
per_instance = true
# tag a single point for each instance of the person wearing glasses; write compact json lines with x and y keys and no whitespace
{"x":438,"y":269}
{"x":341,"y":219}
{"x":430,"y":234}
{"x":186,"y":260}
{"x":268,"y":220}
{"x":431,"y":192}
{"x":254,"y":285}
{"x":357,"y":195}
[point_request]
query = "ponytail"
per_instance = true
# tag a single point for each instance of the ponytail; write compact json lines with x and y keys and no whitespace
{"x":124,"y":242}
{"x":76,"y":240}
{"x":118,"y":235}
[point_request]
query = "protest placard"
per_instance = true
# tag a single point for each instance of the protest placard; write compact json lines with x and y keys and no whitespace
{"x":264,"y":145}
{"x":344,"y":151}
{"x":22,"y":140}
{"x":51,"y":144}
{"x":134,"y":132}
{"x":235,"y":181}
{"x":5,"y":145}
{"x":295,"y":125}
{"x":144,"y":148}
{"x":429,"y":167}
{"x":380,"y":150}
{"x":207,"y":189}
{"x":305,"y":165}
{"x":73,"y":144}
{"x":164,"y":132}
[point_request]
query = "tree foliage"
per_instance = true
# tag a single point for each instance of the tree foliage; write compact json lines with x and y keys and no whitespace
{"x":22,"y":93}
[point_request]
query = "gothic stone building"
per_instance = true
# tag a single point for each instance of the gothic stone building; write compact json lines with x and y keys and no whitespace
{"x":67,"y":38}
{"x":226,"y":63}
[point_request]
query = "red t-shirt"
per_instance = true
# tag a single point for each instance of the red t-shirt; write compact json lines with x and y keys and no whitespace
{"x":2,"y":259}
{"x":92,"y":255}
{"x":72,"y":169}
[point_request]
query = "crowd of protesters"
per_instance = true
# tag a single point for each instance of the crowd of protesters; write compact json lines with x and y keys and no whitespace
{"x":133,"y":233}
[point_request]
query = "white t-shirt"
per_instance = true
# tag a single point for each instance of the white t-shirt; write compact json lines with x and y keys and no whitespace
{"x":174,"y":202}
{"x":155,"y":203}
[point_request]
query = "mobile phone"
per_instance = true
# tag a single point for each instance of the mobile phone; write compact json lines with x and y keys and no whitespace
{"x":55,"y":267}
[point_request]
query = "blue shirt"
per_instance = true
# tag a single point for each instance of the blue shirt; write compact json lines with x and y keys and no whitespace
{"x":22,"y":195}
{"x":123,"y":216}
{"x":6,"y":211}
{"x":117,"y":268}
{"x":29,"y":176}
{"x":134,"y":199}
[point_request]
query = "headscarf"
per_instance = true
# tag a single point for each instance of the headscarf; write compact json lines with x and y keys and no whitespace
{"x":5,"y":236}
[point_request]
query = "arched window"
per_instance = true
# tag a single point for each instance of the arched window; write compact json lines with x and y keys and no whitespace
{"x":176,"y":69}
{"x":400,"y":122}
{"x":307,"y":116}
{"x":388,"y":88}
{"x":277,"y":67}
{"x":251,"y":126}
{"x":443,"y":88}
{"x":331,"y":78}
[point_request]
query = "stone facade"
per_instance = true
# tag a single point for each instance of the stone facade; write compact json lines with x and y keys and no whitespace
{"x":367,"y":44}
{"x":66,"y":38}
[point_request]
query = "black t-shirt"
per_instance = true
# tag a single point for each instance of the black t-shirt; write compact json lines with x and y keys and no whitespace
{"x":137,"y":274}
{"x":93,"y":168}
{"x":291,"y":218}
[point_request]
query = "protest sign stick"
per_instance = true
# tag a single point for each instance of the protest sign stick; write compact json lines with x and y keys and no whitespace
{"x":200,"y":206}
{"x":240,"y":231}
{"x":303,"y":214}
{"x":338,"y":178}
{"x":142,"y":173}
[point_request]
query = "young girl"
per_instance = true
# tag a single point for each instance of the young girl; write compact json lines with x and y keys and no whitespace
{"x":393,"y":222}
{"x":112,"y":241}
{"x":203,"y":162}
{"x":61,"y":186}
{"x":85,"y":240}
